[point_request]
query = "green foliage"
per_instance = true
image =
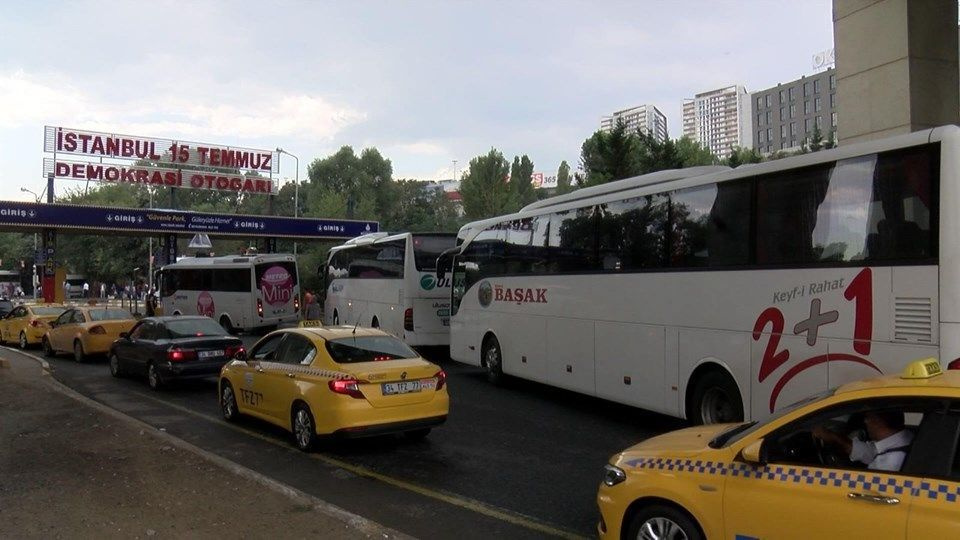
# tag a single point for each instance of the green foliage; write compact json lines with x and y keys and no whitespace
{"x":657,"y":156}
{"x":694,"y":154}
{"x":816,"y":139}
{"x":740,"y":156}
{"x":484,"y":188}
{"x":608,"y":156}
{"x":521,"y":181}
{"x":364,"y":182}
{"x":563,"y":179}
{"x":419,"y":209}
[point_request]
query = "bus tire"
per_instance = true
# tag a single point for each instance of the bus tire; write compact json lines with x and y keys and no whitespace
{"x":714,"y":399}
{"x":227,"y":325}
{"x":492,"y":359}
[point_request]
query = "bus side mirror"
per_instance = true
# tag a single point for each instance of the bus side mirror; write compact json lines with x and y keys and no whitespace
{"x":444,"y":261}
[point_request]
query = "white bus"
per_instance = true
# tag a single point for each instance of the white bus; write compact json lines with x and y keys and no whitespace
{"x":389,"y":281}
{"x":719,"y":294}
{"x":241,"y":293}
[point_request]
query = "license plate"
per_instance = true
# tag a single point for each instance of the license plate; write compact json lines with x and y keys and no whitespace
{"x":210,"y":354}
{"x":403,"y":387}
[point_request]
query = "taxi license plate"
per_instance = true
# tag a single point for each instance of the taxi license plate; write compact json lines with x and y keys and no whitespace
{"x":404,"y":387}
{"x":210,"y":354}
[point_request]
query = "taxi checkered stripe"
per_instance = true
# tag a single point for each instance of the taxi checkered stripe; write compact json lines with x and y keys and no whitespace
{"x":850,"y":480}
{"x":307,"y":370}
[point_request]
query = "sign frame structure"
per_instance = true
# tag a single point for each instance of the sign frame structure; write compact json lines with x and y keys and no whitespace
{"x":17,"y":216}
{"x":163,"y":162}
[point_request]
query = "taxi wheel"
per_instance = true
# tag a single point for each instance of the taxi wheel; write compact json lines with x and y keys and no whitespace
{"x":47,"y":349}
{"x":154,"y":380}
{"x":78,"y":355}
{"x":304,"y":429}
{"x":23,"y":341}
{"x":656,"y":522}
{"x":228,"y":402}
{"x":493,"y":360}
{"x":115,"y":368}
{"x":715,"y":400}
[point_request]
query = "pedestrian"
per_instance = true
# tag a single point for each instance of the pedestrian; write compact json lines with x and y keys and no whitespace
{"x":66,"y":290}
{"x":103,"y":290}
{"x":313,"y":309}
{"x":307,"y":299}
{"x":86,"y":290}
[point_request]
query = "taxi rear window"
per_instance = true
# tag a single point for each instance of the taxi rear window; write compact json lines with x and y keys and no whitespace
{"x":368,"y":349}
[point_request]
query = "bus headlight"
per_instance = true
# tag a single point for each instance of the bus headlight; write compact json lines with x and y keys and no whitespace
{"x":613,"y":475}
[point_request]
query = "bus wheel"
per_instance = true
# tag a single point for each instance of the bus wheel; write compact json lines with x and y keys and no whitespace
{"x":715,"y":400}
{"x":493,"y":360}
{"x":227,"y":325}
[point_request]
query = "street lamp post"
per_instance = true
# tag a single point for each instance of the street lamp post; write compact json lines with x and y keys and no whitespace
{"x":296,"y":189}
{"x":34,"y":278}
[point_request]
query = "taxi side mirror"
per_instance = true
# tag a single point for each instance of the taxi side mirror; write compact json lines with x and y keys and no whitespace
{"x":753,"y":453}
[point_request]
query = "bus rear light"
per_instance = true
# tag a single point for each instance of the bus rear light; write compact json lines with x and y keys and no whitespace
{"x":98,"y":330}
{"x":259,"y":308}
{"x":296,"y":302}
{"x":441,"y":377}
{"x":408,"y":319}
{"x":954,"y":365}
{"x":179,"y":355}
{"x":349,"y":387}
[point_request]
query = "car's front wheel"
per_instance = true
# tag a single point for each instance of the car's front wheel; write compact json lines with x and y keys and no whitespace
{"x":23,"y":341}
{"x":154,"y":380}
{"x":47,"y":348}
{"x":115,"y":368}
{"x":228,"y":401}
{"x":656,"y":522}
{"x":304,"y":428}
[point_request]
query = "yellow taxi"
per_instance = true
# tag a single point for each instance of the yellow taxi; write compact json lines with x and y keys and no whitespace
{"x":872,"y":459}
{"x":86,"y":330}
{"x":335,"y":381}
{"x":26,"y":325}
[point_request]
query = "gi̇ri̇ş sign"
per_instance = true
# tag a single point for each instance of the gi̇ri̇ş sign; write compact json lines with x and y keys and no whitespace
{"x":128,"y":159}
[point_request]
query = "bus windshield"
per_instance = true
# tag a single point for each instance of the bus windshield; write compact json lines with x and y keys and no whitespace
{"x":426,"y":249}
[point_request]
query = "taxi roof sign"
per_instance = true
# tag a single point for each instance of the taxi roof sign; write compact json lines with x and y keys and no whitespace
{"x":922,"y":369}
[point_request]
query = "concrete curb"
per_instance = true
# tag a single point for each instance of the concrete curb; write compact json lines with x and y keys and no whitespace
{"x":360,"y":523}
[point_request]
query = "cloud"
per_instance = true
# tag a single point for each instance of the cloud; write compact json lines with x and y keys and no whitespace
{"x":422,"y":148}
{"x":248,"y":113}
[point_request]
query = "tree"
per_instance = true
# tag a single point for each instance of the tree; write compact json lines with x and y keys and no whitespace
{"x":421,"y":209}
{"x":739,"y":156}
{"x":816,"y":140}
{"x":364,"y":183}
{"x":484,"y":189}
{"x":521,"y":181}
{"x":831,"y":140}
{"x":608,"y":156}
{"x":656,"y":155}
{"x":693,"y":154}
{"x":563,"y":179}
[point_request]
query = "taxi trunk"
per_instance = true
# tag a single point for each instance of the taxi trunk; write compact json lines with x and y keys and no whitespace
{"x":393,"y":383}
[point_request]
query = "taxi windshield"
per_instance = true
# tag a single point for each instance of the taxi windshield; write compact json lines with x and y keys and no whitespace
{"x":368,"y":349}
{"x":740,"y":431}
{"x":109,"y":314}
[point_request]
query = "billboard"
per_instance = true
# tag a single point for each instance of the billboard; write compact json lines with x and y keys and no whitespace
{"x":543,"y":180}
{"x":107,"y":157}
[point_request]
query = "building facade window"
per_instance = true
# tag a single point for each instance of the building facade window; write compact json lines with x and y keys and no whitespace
{"x":783,"y":113}
{"x":783,"y":131}
{"x":816,"y":86}
{"x":783,"y":96}
{"x":833,"y":101}
{"x":806,"y":89}
{"x":766,"y":100}
{"x":759,"y":101}
{"x":833,"y":119}
{"x":793,"y":110}
{"x":816,"y":105}
{"x":793,"y":128}
{"x":769,"y":134}
{"x":806,"y":107}
{"x":769,"y":116}
{"x":806,"y":125}
{"x":759,"y":118}
{"x":819,"y":121}
{"x":833,"y":81}
{"x":792,"y":92}
{"x":760,"y":136}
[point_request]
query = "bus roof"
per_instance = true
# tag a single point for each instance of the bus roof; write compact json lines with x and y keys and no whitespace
{"x":371,"y":238}
{"x":672,"y":179}
{"x":230,"y":260}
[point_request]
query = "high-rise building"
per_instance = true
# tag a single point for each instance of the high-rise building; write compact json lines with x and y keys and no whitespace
{"x":719,"y":119}
{"x":647,"y":118}
{"x":785,"y":116}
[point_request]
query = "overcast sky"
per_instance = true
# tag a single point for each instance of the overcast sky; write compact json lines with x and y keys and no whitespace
{"x":424,"y":82}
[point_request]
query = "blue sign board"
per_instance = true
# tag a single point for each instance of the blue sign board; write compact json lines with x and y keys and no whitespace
{"x":96,"y":219}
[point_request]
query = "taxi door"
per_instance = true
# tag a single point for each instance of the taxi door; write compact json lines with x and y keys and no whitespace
{"x":13,"y":323}
{"x":281,"y":377}
{"x":63,"y":330}
{"x":934,"y":512}
{"x":253,"y":389}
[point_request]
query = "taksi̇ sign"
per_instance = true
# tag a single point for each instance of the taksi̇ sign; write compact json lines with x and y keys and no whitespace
{"x":158,"y":162}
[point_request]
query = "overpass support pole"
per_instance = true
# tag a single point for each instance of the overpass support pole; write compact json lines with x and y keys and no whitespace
{"x":168,"y":245}
{"x":49,"y":252}
{"x":896,"y":67}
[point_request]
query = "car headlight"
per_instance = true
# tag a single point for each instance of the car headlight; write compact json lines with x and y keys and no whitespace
{"x":613,"y":475}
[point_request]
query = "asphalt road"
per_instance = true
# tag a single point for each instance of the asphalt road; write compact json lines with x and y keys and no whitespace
{"x":520,"y":460}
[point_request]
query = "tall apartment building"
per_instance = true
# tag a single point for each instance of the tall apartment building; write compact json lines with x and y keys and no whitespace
{"x":719,"y":119}
{"x":784,"y":116}
{"x":647,"y":118}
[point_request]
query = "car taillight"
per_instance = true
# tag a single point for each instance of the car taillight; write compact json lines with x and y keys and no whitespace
{"x":35,"y":323}
{"x":98,"y":330}
{"x":259,"y":307}
{"x":234,"y":350}
{"x":441,"y":377}
{"x":296,"y":303}
{"x":954,"y":365}
{"x":179,"y":355}
{"x":408,"y":319}
{"x":350,"y":387}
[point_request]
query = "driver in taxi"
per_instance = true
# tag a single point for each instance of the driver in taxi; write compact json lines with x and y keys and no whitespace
{"x":888,"y":444}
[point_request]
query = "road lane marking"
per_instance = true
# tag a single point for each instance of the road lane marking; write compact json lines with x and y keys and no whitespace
{"x":455,"y":500}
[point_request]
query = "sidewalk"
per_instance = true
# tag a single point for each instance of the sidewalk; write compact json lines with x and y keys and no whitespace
{"x":71,"y":470}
